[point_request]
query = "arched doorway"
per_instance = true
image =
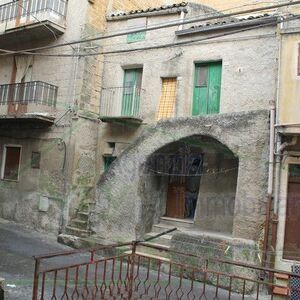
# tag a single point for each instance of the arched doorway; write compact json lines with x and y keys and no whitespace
{"x":194,"y":179}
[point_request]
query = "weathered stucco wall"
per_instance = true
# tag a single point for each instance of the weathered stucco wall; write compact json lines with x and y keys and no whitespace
{"x":241,"y":89}
{"x":289,"y":109}
{"x":216,"y":201}
{"x":121,"y":203}
{"x":20,"y":200}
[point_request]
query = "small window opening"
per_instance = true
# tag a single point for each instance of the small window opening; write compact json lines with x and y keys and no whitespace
{"x":11,"y":163}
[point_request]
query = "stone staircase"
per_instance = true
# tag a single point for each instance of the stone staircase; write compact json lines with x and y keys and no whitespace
{"x":79,"y":226}
{"x":281,"y":292}
{"x":164,"y":241}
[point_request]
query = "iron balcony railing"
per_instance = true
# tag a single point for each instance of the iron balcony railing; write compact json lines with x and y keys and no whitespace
{"x":33,"y":92}
{"x":29,"y":8}
{"x":120,"y":101}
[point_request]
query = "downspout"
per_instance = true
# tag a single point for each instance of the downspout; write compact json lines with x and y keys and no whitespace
{"x":270,"y":185}
{"x":278,"y":138}
{"x":274,"y":117}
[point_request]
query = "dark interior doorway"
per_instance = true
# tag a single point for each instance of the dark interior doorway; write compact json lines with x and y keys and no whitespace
{"x":183,"y":185}
{"x":291,"y":248}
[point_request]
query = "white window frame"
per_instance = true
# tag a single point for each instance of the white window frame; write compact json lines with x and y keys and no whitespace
{"x":5,"y":146}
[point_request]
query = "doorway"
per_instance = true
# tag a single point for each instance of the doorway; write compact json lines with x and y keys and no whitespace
{"x":183,"y":185}
{"x":291,"y":249}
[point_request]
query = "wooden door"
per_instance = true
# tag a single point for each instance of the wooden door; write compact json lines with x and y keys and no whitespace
{"x":207,"y":89}
{"x":131,"y":92}
{"x":291,"y":249}
{"x":176,"y":201}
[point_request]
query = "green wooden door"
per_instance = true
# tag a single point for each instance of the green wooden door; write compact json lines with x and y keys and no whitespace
{"x":131,"y":92}
{"x":207,"y":89}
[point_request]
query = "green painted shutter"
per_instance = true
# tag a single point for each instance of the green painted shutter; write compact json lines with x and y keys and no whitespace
{"x":131,"y":92}
{"x":214,"y":84}
{"x":207,"y":87}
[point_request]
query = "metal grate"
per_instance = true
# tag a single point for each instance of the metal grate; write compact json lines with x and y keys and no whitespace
{"x":295,"y":283}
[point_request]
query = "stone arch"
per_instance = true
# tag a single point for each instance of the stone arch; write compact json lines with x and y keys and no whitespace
{"x":194,"y":180}
{"x":118,"y":213}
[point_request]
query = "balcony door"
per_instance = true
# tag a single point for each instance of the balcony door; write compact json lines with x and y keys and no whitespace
{"x":18,"y":92}
{"x":131,"y":92}
{"x":207,"y":89}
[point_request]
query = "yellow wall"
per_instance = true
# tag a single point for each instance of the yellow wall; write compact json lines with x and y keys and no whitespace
{"x":289,"y":80}
{"x":126,"y":5}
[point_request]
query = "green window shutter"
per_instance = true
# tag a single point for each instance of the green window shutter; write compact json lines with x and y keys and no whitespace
{"x":207,"y":87}
{"x":131,"y":92}
{"x":136,"y":37}
{"x":214,"y":83}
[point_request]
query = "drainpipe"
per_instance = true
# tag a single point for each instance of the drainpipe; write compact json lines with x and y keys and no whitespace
{"x":270,"y":184}
{"x":271,"y":153}
{"x":273,"y":216}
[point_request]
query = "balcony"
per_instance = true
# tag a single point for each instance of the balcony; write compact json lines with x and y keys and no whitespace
{"x":33,"y":101}
{"x":27,"y":20}
{"x":121,"y":105}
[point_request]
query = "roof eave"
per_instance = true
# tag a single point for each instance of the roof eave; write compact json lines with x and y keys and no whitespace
{"x":270,"y":20}
{"x":171,"y":11}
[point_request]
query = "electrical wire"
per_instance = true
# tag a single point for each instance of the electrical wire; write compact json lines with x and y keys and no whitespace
{"x":169,"y":45}
{"x":151,"y":28}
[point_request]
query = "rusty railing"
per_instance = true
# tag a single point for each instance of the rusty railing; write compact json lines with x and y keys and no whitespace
{"x":122,"y":272}
{"x":27,"y":8}
{"x":33,"y":92}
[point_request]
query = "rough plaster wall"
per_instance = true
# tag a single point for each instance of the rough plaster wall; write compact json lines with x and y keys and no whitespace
{"x":241,"y":62}
{"x":82,"y":169}
{"x":215,"y":205}
{"x":154,"y":189}
{"x":120,"y":203}
{"x":213,"y":246}
{"x":290,"y":83}
{"x":19,"y":201}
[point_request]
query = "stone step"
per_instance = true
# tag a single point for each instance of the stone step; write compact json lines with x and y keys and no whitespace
{"x":77,"y":231}
{"x":152,"y":251}
{"x":281,"y":291}
{"x":83,"y":215}
{"x":79,"y":224}
{"x":281,"y":276}
{"x":159,"y":228}
{"x":164,"y":240}
{"x":178,"y":223}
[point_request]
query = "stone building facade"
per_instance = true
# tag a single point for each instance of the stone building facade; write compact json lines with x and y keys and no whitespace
{"x":153,"y":113}
{"x":101,"y":136}
{"x":48,"y":108}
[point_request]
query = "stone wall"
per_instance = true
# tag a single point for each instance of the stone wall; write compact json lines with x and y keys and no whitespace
{"x":121,"y":203}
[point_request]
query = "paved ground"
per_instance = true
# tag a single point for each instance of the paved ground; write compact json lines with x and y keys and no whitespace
{"x":17,"y":246}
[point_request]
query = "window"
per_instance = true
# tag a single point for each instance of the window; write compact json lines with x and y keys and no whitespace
{"x":35,"y":160}
{"x":133,"y":24}
{"x":207,"y":88}
{"x":11,"y":162}
{"x":167,"y":99}
{"x":108,"y":160}
{"x":131,"y":92}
